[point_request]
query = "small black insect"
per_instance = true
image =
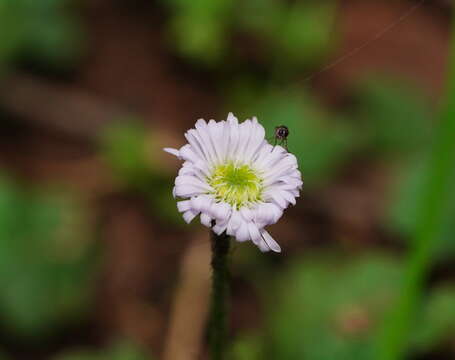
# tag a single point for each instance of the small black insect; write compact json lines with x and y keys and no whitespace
{"x":281,"y":136}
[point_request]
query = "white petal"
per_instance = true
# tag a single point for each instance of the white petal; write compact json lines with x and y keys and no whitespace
{"x":242,"y":232}
{"x":183,"y":206}
{"x":262,"y":245}
{"x":187,"y":191}
{"x":234,"y":223}
{"x":246,"y":213}
{"x":288,"y":196}
{"x":264,"y":214}
{"x":193,"y":181}
{"x":272,"y":244}
{"x":196,"y":144}
{"x":256,"y":140}
{"x":197,"y":202}
{"x":277,"y":212}
{"x":189,"y":215}
{"x":245,"y":135}
{"x":232,"y":119}
{"x":276,"y":197}
{"x":206,"y":220}
{"x":187,"y":153}
{"x":216,"y":137}
{"x":203,"y":134}
{"x":220,"y":211}
{"x":234,"y":139}
{"x":254,"y":233}
{"x":206,"y":203}
{"x":203,"y":167}
{"x":220,"y":227}
{"x":172,"y":151}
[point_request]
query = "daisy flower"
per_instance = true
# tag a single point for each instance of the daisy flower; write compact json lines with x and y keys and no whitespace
{"x":235,"y":180}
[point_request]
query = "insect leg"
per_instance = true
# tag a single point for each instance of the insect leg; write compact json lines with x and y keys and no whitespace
{"x":274,"y":144}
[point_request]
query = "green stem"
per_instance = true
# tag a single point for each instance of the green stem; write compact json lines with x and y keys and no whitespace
{"x":433,"y":202}
{"x":218,"y":311}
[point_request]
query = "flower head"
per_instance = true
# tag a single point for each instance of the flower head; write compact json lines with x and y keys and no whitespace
{"x":235,"y":180}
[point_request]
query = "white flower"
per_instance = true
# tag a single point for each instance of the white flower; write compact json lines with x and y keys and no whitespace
{"x":235,"y":179}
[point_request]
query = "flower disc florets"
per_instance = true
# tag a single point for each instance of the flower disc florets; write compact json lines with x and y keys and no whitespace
{"x":237,"y":185}
{"x":235,"y":180}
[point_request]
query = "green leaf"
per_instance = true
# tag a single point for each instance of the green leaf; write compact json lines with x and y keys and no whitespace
{"x":436,"y":323}
{"x":247,"y":348}
{"x":46,"y":260}
{"x":124,"y":146}
{"x":393,"y":118}
{"x":118,"y":351}
{"x":305,"y":33}
{"x":45,"y":30}
{"x":327,"y":308}
{"x":199,"y":28}
{"x":401,"y":216}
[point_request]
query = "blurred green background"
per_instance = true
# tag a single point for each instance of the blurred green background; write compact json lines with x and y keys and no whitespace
{"x":95,"y":261}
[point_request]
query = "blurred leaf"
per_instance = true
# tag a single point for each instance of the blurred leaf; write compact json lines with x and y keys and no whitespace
{"x":124,"y":146}
{"x":261,"y":16}
{"x":402,"y":213}
{"x":294,"y":34}
{"x":247,"y":348}
{"x":199,"y":28}
{"x":330,"y":309}
{"x":160,"y":197}
{"x":305,"y":33}
{"x":120,"y":351}
{"x":44,"y":30}
{"x":199,"y":39}
{"x":433,"y":201}
{"x":437,"y":321}
{"x":395,"y":120}
{"x":320,"y":142}
{"x":46,"y":261}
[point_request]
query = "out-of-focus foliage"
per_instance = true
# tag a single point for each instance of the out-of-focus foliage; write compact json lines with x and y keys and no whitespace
{"x":393,"y":119}
{"x":330,"y":309}
{"x":125,"y":147}
{"x":325,"y":308}
{"x":436,"y":324}
{"x":396,"y":124}
{"x":432,"y":204}
{"x":200,"y":27}
{"x":120,"y":351}
{"x":293,"y":34}
{"x":403,"y":212}
{"x":42,"y":30}
{"x":288,"y":34}
{"x":246,"y":348}
{"x":46,"y":261}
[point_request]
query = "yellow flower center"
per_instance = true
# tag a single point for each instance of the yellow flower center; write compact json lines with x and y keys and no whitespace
{"x":238,"y":185}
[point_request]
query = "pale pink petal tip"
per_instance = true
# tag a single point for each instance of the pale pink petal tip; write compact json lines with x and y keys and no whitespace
{"x":172,"y":151}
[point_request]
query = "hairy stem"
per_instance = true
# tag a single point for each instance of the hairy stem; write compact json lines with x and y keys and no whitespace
{"x":218,"y":311}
